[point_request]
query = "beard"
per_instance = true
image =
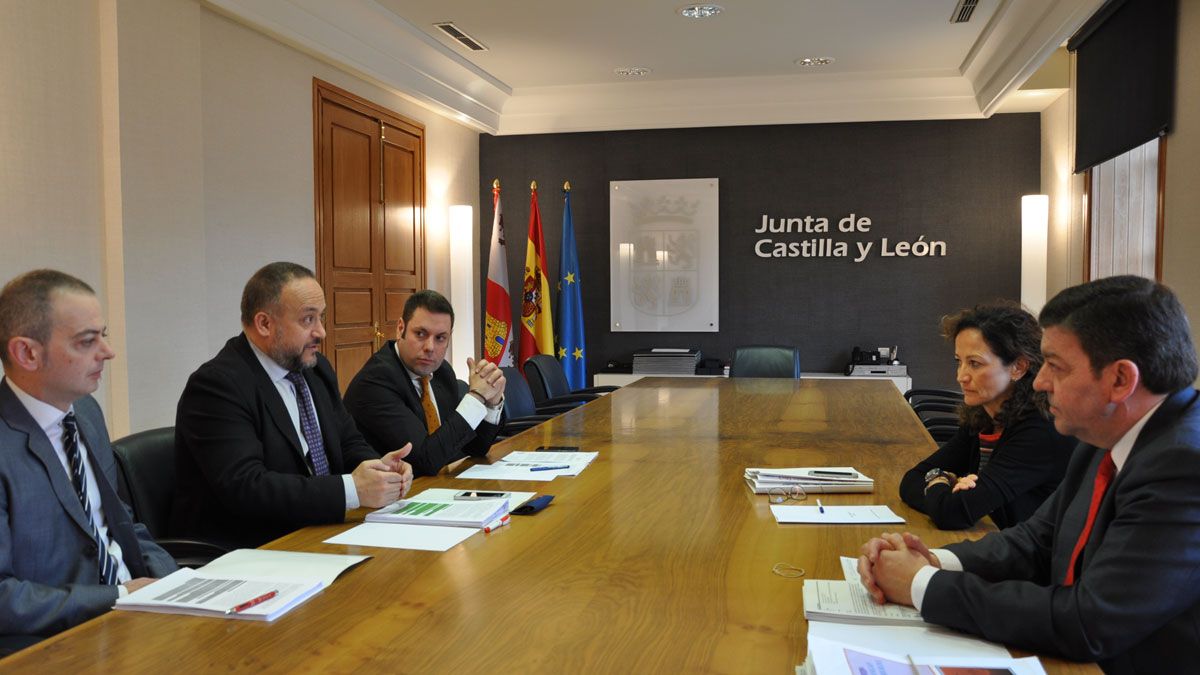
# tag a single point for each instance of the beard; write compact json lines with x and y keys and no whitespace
{"x":293,"y":361}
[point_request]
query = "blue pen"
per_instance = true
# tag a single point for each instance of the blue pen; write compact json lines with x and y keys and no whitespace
{"x":820,"y":507}
{"x":550,"y":468}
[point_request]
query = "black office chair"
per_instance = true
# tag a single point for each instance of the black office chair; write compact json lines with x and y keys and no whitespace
{"x":765,"y":361}
{"x":914,"y":396}
{"x":547,"y":381}
{"x":520,"y":411}
{"x":146,"y":481}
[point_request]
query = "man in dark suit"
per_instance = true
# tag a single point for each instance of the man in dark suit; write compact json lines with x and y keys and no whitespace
{"x":407,"y":392}
{"x":1106,"y":569}
{"x":68,"y":545}
{"x":263,"y":443}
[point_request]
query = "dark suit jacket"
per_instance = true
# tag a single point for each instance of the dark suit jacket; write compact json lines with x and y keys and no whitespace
{"x":241,"y":478}
{"x":387,"y":408}
{"x":1025,"y":468}
{"x":1135,"y":606}
{"x":48,"y":559}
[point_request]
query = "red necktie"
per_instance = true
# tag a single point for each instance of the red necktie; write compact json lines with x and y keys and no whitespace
{"x":1104,"y":476}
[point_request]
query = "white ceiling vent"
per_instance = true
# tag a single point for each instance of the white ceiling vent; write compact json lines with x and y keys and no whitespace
{"x":460,"y":37}
{"x":963,"y":11}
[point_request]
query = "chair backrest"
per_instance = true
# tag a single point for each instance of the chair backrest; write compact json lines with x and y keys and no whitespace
{"x":518,"y":399}
{"x":546,"y":377}
{"x":146,"y":462}
{"x":765,"y":361}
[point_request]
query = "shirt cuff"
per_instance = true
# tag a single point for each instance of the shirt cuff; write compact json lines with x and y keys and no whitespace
{"x":919,"y":583}
{"x":493,"y":414}
{"x":351,"y":492}
{"x":949,"y":561}
{"x":472,"y":410}
{"x":122,"y":591}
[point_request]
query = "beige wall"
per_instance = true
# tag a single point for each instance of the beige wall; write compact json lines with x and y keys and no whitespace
{"x":1181,"y":248}
{"x":51,"y":199}
{"x":1065,"y":237}
{"x":213,"y":171}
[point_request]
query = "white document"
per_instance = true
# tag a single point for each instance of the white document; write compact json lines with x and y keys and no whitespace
{"x":926,"y":639}
{"x":396,"y":535}
{"x":510,"y":471}
{"x":297,"y":565}
{"x":835,"y":515}
{"x":836,"y":657}
{"x":188,"y":591}
{"x":575,"y":462}
{"x":850,"y":569}
{"x":849,"y":602}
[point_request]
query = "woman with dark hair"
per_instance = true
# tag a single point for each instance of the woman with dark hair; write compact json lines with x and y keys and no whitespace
{"x":1006,"y":457}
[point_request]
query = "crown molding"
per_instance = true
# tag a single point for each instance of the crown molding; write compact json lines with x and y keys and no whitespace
{"x":363,"y":38}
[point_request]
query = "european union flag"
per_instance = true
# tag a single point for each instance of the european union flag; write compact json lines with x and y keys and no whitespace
{"x":570,"y":304}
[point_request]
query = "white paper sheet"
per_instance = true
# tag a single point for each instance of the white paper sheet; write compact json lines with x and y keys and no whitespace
{"x":514,"y":498}
{"x":509,"y":471}
{"x":252,"y":562}
{"x":835,"y":515}
{"x":849,"y":602}
{"x":396,"y":535}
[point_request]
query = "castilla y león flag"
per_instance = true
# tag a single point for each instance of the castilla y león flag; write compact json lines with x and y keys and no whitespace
{"x":497,"y":325}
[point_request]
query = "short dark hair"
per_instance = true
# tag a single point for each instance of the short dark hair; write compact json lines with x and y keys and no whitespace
{"x":1129,"y":317}
{"x":25,"y":305}
{"x":430,"y":301}
{"x":1010,"y":332}
{"x":264,"y":288}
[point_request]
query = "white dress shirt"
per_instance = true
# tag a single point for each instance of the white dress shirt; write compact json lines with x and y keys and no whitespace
{"x":951,"y":563}
{"x":278,"y":375}
{"x":472,"y":409}
{"x":50,"y":419}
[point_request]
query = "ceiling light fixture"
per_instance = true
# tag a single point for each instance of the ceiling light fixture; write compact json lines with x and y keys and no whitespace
{"x":814,"y":61}
{"x":700,"y":11}
{"x":632,"y":71}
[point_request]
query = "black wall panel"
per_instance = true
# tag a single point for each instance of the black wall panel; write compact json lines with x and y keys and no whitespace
{"x":958,"y":181}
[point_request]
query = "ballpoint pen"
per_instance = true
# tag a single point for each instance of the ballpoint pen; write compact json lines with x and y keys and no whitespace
{"x":497,"y":524}
{"x":252,"y":602}
{"x":820,"y":507}
{"x":550,"y":468}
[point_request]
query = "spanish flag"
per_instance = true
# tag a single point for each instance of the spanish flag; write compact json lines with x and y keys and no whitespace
{"x":537,"y":326}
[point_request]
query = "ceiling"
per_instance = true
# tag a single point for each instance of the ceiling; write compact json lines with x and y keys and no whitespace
{"x":549,"y":64}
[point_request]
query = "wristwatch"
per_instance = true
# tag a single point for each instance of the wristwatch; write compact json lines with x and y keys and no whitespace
{"x":934,"y":473}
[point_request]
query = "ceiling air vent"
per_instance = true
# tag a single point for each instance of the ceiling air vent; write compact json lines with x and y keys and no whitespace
{"x":962,"y":11}
{"x":471,"y":43}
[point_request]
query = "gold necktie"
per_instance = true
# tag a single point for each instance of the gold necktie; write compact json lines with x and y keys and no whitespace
{"x":430,"y":406}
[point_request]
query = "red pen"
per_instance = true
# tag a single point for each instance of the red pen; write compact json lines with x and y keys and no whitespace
{"x":497,"y":524}
{"x":252,"y":602}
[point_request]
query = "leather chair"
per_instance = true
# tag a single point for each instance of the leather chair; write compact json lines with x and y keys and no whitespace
{"x":547,"y":381}
{"x":520,"y":411}
{"x":766,"y":361}
{"x":146,"y":481}
{"x":914,"y":396}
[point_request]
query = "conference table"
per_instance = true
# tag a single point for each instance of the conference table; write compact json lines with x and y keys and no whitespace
{"x":656,"y":559}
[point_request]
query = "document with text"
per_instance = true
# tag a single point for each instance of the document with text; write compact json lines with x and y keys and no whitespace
{"x":835,"y":515}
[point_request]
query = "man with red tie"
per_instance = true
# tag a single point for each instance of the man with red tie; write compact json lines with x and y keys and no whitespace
{"x":1107,"y":569}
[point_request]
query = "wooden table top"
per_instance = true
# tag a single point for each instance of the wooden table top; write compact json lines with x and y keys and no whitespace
{"x":657,"y":558}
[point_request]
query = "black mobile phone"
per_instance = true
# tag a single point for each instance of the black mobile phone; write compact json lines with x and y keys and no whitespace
{"x":474,"y":495}
{"x":557,"y":448}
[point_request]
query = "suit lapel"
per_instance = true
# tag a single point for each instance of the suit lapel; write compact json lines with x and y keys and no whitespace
{"x":39,"y":446}
{"x":404,"y":383}
{"x":271,"y":397}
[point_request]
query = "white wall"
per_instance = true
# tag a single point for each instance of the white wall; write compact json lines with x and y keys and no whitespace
{"x":51,"y":200}
{"x":1065,"y":240}
{"x":213,"y":166}
{"x":1181,"y":248}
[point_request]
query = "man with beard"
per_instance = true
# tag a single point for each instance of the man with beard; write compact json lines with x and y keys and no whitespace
{"x":263,"y":443}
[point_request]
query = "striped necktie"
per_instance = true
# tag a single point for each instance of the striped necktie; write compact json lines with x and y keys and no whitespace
{"x":308,"y":425}
{"x":108,"y":564}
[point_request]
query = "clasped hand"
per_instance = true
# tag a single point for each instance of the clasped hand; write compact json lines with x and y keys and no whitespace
{"x":486,"y":379}
{"x":888,"y":563}
{"x":380,"y":482}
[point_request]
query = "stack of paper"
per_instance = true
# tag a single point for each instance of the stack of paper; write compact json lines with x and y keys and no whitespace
{"x":243,"y":584}
{"x":525,"y":465}
{"x":451,"y":514}
{"x":813,"y":479}
{"x":666,"y":361}
{"x":390,"y":533}
{"x":846,"y":601}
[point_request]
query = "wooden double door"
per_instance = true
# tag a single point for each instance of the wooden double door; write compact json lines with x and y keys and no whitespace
{"x":370,"y":229}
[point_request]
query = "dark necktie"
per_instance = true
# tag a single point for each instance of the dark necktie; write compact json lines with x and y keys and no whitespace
{"x":432,"y":422}
{"x":308,"y":424}
{"x":1104,"y":476}
{"x":108,"y":564}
